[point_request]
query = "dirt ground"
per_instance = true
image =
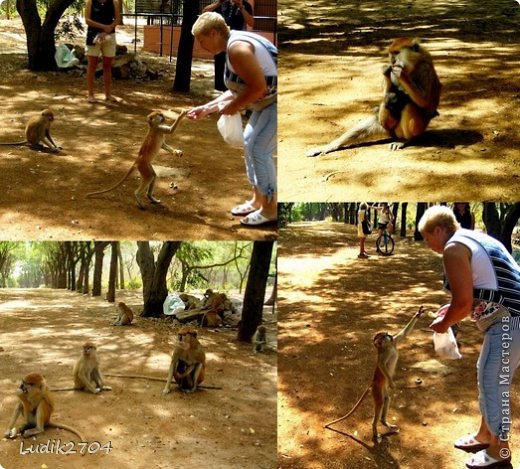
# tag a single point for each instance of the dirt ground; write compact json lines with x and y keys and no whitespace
{"x":235,"y":427}
{"x":43,"y":193}
{"x":331,"y":304}
{"x":331,"y":56}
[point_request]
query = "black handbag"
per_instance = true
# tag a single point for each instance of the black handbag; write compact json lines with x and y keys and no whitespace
{"x":366,"y":226}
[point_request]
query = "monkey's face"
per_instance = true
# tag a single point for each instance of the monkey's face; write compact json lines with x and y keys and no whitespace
{"x":88,"y":349}
{"x":382,"y":339}
{"x":48,"y":114}
{"x":185,"y":338}
{"x":29,"y":383}
{"x":155,"y":118}
{"x":404,"y":53}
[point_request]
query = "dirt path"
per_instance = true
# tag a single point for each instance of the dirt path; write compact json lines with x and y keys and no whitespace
{"x":331,"y":305}
{"x":235,"y":427}
{"x":332,"y":53}
{"x":44,"y":194}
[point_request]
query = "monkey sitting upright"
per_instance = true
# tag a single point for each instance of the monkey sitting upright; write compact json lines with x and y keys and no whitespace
{"x":188,"y":362}
{"x":36,"y":406}
{"x":382,"y":381}
{"x":38,"y":130}
{"x":260,"y":339}
{"x":153,"y":142}
{"x":411,"y":97}
{"x":125,"y":315}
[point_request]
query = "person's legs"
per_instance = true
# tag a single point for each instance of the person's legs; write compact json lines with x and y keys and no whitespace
{"x":499,"y":358}
{"x":259,"y":146}
{"x":92,"y":62}
{"x":107,"y":77}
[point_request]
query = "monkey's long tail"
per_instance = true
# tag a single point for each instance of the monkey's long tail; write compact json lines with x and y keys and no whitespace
{"x":15,"y":143}
{"x":66,"y":427}
{"x":351,"y":411}
{"x":117,"y":184}
{"x":154,"y":378}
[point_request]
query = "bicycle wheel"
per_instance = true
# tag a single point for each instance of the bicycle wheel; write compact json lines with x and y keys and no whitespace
{"x":385,"y":245}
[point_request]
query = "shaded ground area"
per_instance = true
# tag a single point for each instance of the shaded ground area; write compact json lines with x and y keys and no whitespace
{"x":332,"y":53}
{"x":44,"y":194}
{"x":235,"y":427}
{"x":331,"y":304}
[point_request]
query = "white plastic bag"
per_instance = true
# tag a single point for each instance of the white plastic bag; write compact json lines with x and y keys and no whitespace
{"x":230,"y":127}
{"x":65,"y":57}
{"x":445,"y":345}
{"x":173,"y":304}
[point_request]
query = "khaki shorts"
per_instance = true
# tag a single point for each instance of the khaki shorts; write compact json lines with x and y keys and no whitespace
{"x":107,"y":48}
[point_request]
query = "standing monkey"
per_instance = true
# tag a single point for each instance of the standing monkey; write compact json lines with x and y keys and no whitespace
{"x":153,"y":142}
{"x":188,"y":362}
{"x":411,"y":97}
{"x":387,"y":356}
{"x":125,"y":316}
{"x":36,"y":406}
{"x":38,"y":130}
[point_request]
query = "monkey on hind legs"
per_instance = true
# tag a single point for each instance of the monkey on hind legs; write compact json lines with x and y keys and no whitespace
{"x":38,"y":129}
{"x":36,"y":406}
{"x":87,"y":376}
{"x":411,"y":97}
{"x":383,"y":381}
{"x":153,"y":142}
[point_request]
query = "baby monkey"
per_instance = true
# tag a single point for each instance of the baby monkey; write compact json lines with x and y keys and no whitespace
{"x":259,"y":339}
{"x":38,"y":130}
{"x":383,"y":380}
{"x":153,"y":142}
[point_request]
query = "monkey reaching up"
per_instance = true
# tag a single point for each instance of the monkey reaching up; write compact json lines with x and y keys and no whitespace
{"x":153,"y":142}
{"x":38,"y":130}
{"x":411,"y":97}
{"x":383,"y":379}
{"x":36,"y":406}
{"x":188,"y":363}
{"x":125,"y":316}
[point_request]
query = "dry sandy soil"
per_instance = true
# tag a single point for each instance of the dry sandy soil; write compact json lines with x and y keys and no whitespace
{"x":43,"y":193}
{"x":235,"y":427}
{"x":331,"y":304}
{"x":332,"y":53}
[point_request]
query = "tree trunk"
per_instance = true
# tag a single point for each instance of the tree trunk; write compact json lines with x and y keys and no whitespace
{"x":121,"y":267}
{"x":182,"y":79}
{"x":512,"y":216}
{"x":99,"y":248}
{"x":421,"y":208}
{"x":112,"y":277}
{"x":40,"y":37}
{"x":491,"y":219}
{"x":404,"y":207}
{"x":154,"y":276}
{"x":255,"y":290}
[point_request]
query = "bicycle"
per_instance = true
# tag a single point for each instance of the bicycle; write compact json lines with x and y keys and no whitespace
{"x":385,"y":243}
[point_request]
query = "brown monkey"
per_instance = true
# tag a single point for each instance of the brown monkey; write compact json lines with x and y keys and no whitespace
{"x":188,"y":363}
{"x":36,"y":406}
{"x":87,"y":376}
{"x":259,"y":339}
{"x":125,"y":315}
{"x":38,"y":130}
{"x":387,"y":356}
{"x":411,"y":97}
{"x":153,"y":142}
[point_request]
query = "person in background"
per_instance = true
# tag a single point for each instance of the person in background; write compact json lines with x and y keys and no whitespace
{"x":102,"y":17}
{"x":363,"y":229}
{"x":463,"y":215}
{"x":237,"y":14}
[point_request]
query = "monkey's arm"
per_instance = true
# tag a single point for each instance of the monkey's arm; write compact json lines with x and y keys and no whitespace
{"x":173,"y":365}
{"x":11,"y":431}
{"x":406,"y":329}
{"x":40,"y":422}
{"x":418,"y":90}
{"x":50,"y":142}
{"x":85,"y":380}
